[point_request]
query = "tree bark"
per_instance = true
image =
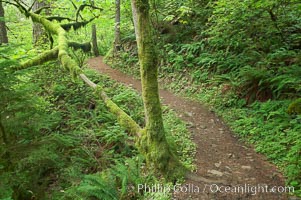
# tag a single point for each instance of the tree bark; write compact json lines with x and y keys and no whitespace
{"x":3,"y":135}
{"x":38,"y":32}
{"x":3,"y":32}
{"x":5,"y":141}
{"x":117,"y":27}
{"x":94,"y":41}
{"x":153,"y":142}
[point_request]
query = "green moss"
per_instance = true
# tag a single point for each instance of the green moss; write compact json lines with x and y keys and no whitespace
{"x":98,"y":89}
{"x":153,"y":143}
{"x":49,"y":26}
{"x":46,"y":56}
{"x":57,"y":18}
{"x":295,"y":107}
{"x":142,"y":5}
{"x":124,"y":119}
{"x":159,"y":157}
{"x":85,"y":47}
{"x":54,"y":28}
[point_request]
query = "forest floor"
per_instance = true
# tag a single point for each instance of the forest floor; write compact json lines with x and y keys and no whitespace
{"x":220,"y":155}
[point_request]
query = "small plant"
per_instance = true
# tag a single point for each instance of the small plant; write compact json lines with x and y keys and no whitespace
{"x":80,"y":57}
{"x":295,"y":107}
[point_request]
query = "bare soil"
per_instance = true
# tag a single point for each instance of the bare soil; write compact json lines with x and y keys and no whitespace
{"x":220,"y":155}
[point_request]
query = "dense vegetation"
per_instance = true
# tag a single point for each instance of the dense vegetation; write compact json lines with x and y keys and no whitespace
{"x":64,"y":143}
{"x":58,"y":140}
{"x":242,"y":58}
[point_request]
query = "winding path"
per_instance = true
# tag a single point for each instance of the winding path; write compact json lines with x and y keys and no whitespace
{"x":220,"y":155}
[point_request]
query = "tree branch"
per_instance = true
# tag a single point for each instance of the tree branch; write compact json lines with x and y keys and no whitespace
{"x":46,"y":56}
{"x":85,"y":47}
{"x":76,"y":9}
{"x":11,"y":31}
{"x":11,"y":3}
{"x":22,"y":8}
{"x":59,"y":19}
{"x":38,"y":11}
{"x":77,"y":25}
{"x":275,"y":23}
{"x":82,"y":7}
{"x":30,"y":8}
{"x":68,"y":63}
{"x":123,"y":118}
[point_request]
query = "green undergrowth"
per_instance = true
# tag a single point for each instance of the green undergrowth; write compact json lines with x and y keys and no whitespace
{"x":62,"y":142}
{"x":265,"y":123}
{"x":269,"y":126}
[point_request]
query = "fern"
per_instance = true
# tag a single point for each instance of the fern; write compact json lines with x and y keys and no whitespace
{"x":255,"y":84}
{"x":118,"y":182}
{"x":287,"y":82}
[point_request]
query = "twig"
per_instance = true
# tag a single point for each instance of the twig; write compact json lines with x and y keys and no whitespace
{"x":30,"y":8}
{"x":82,"y":7}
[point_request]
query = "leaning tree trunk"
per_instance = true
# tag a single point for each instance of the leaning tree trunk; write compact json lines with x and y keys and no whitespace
{"x":117,"y":27}
{"x":3,"y":32}
{"x":153,"y":142}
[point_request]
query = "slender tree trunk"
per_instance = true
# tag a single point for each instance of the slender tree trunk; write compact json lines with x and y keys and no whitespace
{"x":117,"y":27}
{"x":94,"y":41}
{"x":3,"y":136}
{"x":153,"y":141}
{"x":3,"y":32}
{"x":38,"y":32}
{"x":5,"y":140}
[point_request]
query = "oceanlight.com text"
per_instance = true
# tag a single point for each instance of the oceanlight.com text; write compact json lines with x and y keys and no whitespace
{"x":214,"y":188}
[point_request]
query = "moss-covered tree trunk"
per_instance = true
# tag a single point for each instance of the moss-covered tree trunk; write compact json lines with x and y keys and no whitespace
{"x":3,"y":32}
{"x":153,"y":142}
{"x":94,"y":41}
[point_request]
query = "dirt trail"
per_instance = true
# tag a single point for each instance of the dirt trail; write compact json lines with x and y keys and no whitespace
{"x":219,"y":155}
